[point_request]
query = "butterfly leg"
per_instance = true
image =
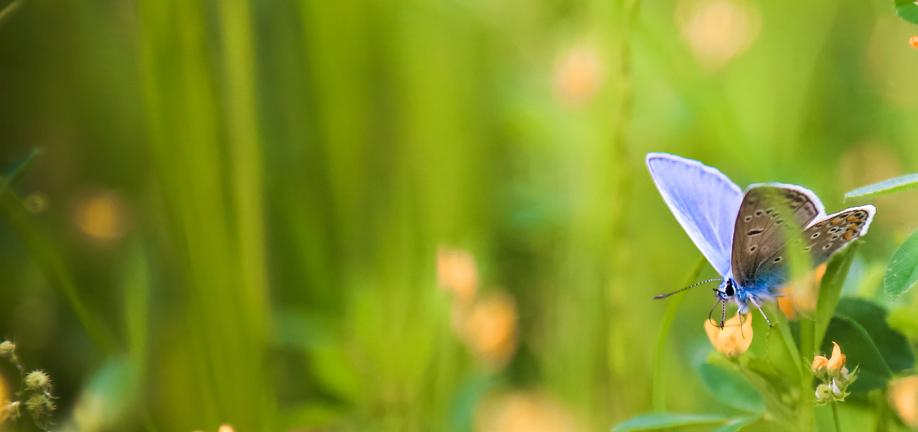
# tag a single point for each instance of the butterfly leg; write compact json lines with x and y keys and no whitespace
{"x":759,"y":307}
{"x":723,"y":313}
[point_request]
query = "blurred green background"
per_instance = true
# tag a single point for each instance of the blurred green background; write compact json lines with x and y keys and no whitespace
{"x":239,"y":209}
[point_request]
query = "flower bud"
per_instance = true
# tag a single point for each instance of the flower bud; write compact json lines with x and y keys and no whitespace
{"x":823,"y":393}
{"x":819,"y":365}
{"x":9,"y":411}
{"x":734,"y":338}
{"x":38,"y":381}
{"x":7,"y":348}
{"x":40,"y":405}
{"x":837,"y":361}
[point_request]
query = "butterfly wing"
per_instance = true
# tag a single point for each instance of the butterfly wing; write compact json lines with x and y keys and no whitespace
{"x":832,"y":233}
{"x":759,"y":234}
{"x":703,"y":200}
{"x":760,"y":248}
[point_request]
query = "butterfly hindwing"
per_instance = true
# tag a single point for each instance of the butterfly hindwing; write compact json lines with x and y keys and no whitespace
{"x":759,"y":237}
{"x":703,"y":200}
{"x":834,"y":232}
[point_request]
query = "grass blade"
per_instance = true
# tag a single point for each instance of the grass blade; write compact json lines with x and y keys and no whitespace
{"x":884,"y":187}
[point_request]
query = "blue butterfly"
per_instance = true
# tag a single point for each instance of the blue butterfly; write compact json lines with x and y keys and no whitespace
{"x":741,"y":234}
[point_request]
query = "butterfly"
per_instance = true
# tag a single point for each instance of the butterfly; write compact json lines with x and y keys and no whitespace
{"x":744,"y":234}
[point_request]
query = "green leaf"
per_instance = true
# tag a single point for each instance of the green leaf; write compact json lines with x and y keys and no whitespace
{"x":909,"y":11}
{"x":730,"y":388}
{"x":737,"y":424}
{"x":872,"y":317}
{"x":655,"y":421}
{"x":860,"y":350}
{"x":902,"y":273}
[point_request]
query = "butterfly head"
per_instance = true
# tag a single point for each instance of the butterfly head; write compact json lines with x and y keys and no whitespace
{"x":726,"y":291}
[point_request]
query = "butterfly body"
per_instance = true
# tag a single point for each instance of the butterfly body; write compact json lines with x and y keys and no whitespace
{"x":749,"y":237}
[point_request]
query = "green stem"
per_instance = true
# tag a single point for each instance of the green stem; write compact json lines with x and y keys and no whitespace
{"x":807,"y":350}
{"x":659,"y":384}
{"x":835,"y":417}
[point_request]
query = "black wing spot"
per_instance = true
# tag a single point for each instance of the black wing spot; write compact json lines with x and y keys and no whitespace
{"x":758,"y":212}
{"x":815,"y":235}
{"x":827,"y":246}
{"x":754,"y":231}
{"x":777,"y":260}
{"x":747,"y":219}
{"x":753,"y":248}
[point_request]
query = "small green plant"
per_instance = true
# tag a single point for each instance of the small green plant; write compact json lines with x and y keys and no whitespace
{"x":35,"y":392}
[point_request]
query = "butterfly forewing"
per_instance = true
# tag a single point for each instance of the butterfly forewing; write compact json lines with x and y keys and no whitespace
{"x":703,"y":200}
{"x":760,"y":233}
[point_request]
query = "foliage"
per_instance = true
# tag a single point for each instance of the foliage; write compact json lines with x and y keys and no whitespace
{"x":232,"y":211}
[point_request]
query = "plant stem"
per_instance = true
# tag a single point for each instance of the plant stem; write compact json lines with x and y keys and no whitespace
{"x":835,"y":417}
{"x":658,"y":392}
{"x":807,"y":351}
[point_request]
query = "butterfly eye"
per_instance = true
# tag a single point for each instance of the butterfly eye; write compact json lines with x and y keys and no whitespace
{"x":729,"y":290}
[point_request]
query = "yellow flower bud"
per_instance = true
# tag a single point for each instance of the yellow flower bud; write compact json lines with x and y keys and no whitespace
{"x":819,"y":364}
{"x":837,"y":361}
{"x":734,"y":338}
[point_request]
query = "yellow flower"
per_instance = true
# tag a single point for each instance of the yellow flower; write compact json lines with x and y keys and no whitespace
{"x":837,"y":361}
{"x":903,"y":396}
{"x":819,"y":364}
{"x":490,"y":329}
{"x":913,"y":41}
{"x":578,"y":74}
{"x":524,"y":411}
{"x":734,"y":338}
{"x":457,"y":273}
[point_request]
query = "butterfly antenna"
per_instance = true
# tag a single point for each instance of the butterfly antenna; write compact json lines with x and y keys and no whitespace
{"x":663,"y":296}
